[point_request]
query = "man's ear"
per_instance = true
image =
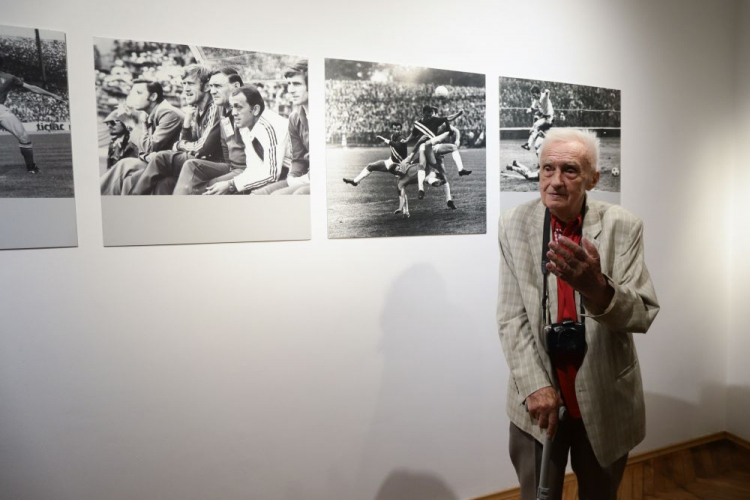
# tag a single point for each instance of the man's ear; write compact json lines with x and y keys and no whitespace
{"x":256,"y":110}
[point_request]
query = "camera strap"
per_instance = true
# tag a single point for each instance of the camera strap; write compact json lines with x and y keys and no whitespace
{"x":545,"y":260}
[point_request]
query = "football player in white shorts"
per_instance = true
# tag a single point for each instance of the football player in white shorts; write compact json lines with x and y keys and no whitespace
{"x":11,"y":123}
{"x":541,"y":107}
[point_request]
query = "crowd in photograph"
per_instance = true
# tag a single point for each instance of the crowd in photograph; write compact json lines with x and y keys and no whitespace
{"x":30,"y":107}
{"x":165,"y":62}
{"x":357,"y":111}
{"x":574,"y":105}
{"x":21,"y":59}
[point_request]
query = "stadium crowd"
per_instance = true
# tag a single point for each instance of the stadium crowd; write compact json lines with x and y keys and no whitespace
{"x":21,"y":60}
{"x":361,"y":110}
{"x":164,"y":63}
{"x":574,"y":105}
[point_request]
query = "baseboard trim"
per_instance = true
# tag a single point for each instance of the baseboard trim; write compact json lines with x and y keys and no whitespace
{"x":512,"y":493}
{"x":738,"y":441}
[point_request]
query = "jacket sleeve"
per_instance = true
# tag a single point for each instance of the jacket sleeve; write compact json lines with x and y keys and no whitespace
{"x":207,"y":145}
{"x":518,"y":340}
{"x":634,"y":305}
{"x":300,"y":153}
{"x":167,"y":130}
{"x":258,"y":172}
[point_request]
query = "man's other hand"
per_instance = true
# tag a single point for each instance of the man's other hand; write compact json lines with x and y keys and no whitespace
{"x":543,"y":406}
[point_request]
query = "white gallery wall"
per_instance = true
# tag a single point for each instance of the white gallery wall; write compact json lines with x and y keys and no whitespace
{"x":738,"y":373}
{"x":364,"y":369}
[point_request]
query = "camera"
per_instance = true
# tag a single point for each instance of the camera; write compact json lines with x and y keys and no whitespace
{"x":566,"y":337}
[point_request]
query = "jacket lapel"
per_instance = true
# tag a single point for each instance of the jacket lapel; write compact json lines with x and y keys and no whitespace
{"x":592,"y":228}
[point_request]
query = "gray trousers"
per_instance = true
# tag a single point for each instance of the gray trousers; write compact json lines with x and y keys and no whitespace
{"x":197,"y":175}
{"x":594,"y":481}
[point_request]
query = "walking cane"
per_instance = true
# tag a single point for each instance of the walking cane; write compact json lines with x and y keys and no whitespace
{"x":543,"y":492}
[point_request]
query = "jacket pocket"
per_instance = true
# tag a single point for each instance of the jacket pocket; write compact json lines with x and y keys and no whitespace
{"x":628,"y":369}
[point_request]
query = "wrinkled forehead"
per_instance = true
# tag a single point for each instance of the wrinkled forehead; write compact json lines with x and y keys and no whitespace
{"x":565,"y":152}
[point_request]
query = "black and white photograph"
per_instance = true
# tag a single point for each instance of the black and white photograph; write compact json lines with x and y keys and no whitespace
{"x":35,"y":149}
{"x":406,"y":150}
{"x":181,"y":126}
{"x":530,"y":108}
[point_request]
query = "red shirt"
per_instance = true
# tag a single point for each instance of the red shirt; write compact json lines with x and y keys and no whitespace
{"x":567,"y":365}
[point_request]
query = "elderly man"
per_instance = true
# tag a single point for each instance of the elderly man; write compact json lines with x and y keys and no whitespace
{"x":574,"y":288}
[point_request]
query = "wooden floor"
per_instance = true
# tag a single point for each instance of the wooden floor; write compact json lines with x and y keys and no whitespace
{"x":717,"y":469}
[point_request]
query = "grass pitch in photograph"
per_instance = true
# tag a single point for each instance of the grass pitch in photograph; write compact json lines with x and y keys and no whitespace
{"x":367,"y":210}
{"x":53,"y":155}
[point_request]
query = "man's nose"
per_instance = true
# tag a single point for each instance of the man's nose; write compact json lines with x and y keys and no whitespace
{"x":557,"y":177}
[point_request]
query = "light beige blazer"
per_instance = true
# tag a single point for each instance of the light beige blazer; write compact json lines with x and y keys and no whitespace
{"x":608,"y":384}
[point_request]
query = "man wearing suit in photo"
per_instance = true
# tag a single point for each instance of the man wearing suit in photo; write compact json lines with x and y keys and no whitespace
{"x":158,"y":123}
{"x":569,"y":303}
{"x":199,"y":138}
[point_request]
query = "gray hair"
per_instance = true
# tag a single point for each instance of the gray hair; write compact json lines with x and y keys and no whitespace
{"x":586,"y":138}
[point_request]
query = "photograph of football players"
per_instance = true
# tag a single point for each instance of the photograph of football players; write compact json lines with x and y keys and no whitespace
{"x":444,"y":111}
{"x":35,"y":154}
{"x":399,"y":149}
{"x":205,"y":121}
{"x":199,"y":137}
{"x":174,"y":101}
{"x":527,"y":112}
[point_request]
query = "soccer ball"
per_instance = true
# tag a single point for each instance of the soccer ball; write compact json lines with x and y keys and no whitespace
{"x":441,"y":91}
{"x":615,"y":172}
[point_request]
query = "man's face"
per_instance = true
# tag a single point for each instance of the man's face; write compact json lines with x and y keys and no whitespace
{"x":536,"y":95}
{"x":219,"y":88}
{"x":192,"y":90}
{"x":564,"y":178}
{"x":297,"y":89}
{"x":396,"y":129}
{"x":139,"y":98}
{"x":115,"y":127}
{"x":244,"y":114}
{"x":427,"y":113}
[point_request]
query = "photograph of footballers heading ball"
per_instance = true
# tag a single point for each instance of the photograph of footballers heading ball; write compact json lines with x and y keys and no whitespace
{"x":405,"y":150}
{"x":35,"y":150}
{"x":176,"y":121}
{"x":529,"y":108}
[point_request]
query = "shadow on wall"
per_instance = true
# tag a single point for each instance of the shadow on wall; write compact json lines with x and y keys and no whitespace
{"x":414,"y":485}
{"x":427,"y":415}
{"x":670,"y":420}
{"x":738,"y":409}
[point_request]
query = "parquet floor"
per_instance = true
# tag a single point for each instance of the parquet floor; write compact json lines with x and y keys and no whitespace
{"x":717,"y":470}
